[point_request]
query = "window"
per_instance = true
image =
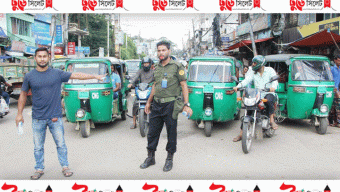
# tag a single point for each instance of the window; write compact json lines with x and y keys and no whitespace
{"x":89,"y":68}
{"x":311,"y":70}
{"x":21,"y":27}
{"x":206,"y":71}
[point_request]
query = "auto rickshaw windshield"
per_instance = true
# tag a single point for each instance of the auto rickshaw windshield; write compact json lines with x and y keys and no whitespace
{"x":208,"y":71}
{"x":89,"y":68}
{"x":311,"y":70}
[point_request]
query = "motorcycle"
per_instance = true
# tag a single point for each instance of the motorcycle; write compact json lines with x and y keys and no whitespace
{"x":143,"y":91}
{"x":256,"y":122}
{"x":4,"y":108}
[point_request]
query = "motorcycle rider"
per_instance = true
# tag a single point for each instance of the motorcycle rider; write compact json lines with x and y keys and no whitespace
{"x":144,"y":75}
{"x":3,"y":93}
{"x":260,"y":77}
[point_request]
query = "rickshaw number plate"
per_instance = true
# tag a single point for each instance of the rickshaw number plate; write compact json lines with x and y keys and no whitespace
{"x":219,"y":96}
{"x":83,"y":94}
{"x":329,"y":94}
{"x":95,"y":95}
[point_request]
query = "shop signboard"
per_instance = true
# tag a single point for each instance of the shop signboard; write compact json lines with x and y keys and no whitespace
{"x":59,"y":34}
{"x":87,"y":50}
{"x":18,"y":46}
{"x":333,"y":27}
{"x":259,"y":23}
{"x":41,"y":33}
{"x":71,"y":48}
{"x":59,"y":51}
{"x":30,"y":50}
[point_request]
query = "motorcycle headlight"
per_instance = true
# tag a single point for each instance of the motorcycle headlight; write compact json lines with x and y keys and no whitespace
{"x":208,"y":112}
{"x":143,"y":94}
{"x":80,"y":113}
{"x":249,"y":101}
{"x":323,"y":108}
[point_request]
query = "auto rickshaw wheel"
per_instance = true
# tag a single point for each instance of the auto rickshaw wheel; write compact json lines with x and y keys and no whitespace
{"x":142,"y":122}
{"x":207,"y":128}
{"x":123,"y":115}
{"x":322,"y":128}
{"x":85,"y":127}
{"x":246,"y":137}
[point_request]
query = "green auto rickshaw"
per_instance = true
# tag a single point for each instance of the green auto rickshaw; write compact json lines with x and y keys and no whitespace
{"x":305,"y":88}
{"x":211,"y":94}
{"x":59,"y":63}
{"x":91,"y":101}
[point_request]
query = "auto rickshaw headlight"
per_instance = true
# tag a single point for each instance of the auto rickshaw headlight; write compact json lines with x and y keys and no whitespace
{"x":208,"y":112}
{"x":80,"y":113}
{"x":323,"y":108}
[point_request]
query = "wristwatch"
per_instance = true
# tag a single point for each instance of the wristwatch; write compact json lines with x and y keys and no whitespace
{"x":187,"y":104}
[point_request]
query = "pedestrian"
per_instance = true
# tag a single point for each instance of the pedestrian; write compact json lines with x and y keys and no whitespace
{"x":4,"y":94}
{"x":335,"y":110}
{"x":116,"y":81}
{"x":245,"y":70}
{"x":166,"y":102}
{"x":45,"y":84}
{"x":144,"y":75}
{"x":260,"y":77}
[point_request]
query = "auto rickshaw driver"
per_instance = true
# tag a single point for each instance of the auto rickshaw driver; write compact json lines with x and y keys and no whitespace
{"x":260,"y":77}
{"x":115,"y":81}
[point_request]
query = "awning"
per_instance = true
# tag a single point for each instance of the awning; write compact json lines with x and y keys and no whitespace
{"x":2,"y":33}
{"x":319,"y":39}
{"x":246,"y":43}
{"x":12,"y":53}
{"x":5,"y":57}
{"x":20,"y":57}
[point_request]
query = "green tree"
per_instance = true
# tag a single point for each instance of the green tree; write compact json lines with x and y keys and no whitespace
{"x":96,"y":25}
{"x":129,"y":51}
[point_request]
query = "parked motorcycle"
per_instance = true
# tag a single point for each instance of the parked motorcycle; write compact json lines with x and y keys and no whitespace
{"x":4,"y":108}
{"x":256,"y":122}
{"x":143,"y":91}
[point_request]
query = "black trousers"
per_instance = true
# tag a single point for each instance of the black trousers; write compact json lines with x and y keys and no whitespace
{"x":162,"y":113}
{"x":270,"y":103}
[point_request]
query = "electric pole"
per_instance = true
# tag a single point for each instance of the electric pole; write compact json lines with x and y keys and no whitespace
{"x":252,"y":36}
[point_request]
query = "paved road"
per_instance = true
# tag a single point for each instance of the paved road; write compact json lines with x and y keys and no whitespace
{"x":113,"y":151}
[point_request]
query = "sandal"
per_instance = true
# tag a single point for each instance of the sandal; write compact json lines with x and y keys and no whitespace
{"x":238,"y":138}
{"x":275,"y":126}
{"x":67,"y":172}
{"x":37,"y":175}
{"x":133,"y":127}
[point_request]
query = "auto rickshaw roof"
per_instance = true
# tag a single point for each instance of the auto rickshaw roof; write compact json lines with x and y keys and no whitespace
{"x":286,"y":57}
{"x":211,"y":57}
{"x":90,"y":59}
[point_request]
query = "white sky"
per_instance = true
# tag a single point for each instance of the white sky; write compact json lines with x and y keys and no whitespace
{"x":173,"y":26}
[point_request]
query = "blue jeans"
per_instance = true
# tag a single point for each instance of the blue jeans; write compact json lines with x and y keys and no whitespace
{"x":39,"y":135}
{"x":5,"y":96}
{"x":115,"y":95}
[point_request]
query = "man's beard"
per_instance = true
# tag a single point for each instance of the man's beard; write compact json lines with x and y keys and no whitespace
{"x":42,"y":66}
{"x":165,"y":58}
